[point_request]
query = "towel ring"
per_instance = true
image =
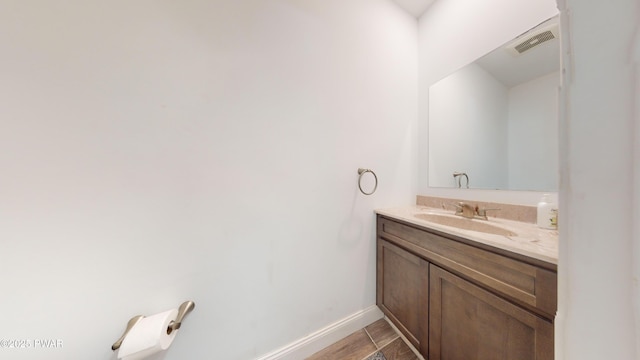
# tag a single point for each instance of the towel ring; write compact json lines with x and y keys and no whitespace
{"x":361,"y":172}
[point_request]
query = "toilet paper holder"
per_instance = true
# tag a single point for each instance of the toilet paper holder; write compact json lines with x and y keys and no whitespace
{"x":184,"y":309}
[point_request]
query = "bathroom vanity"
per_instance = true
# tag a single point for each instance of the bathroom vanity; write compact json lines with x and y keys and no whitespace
{"x":460,"y":294}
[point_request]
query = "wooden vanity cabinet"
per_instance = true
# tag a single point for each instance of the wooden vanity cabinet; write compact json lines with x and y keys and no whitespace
{"x":454,"y":300}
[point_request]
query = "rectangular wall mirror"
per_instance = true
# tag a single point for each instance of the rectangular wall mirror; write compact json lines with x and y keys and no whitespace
{"x":496,"y":120}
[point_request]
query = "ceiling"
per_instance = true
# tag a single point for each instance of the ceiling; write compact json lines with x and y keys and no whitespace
{"x":512,"y":70}
{"x":414,"y":7}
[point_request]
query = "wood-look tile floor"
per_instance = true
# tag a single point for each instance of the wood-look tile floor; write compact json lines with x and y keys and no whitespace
{"x":378,"y":341}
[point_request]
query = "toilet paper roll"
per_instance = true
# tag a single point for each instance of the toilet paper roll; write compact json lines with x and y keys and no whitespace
{"x":149,"y":336}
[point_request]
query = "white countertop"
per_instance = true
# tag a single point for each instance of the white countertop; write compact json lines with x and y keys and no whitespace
{"x":531,"y":241}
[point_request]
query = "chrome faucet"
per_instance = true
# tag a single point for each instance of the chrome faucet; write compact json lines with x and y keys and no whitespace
{"x":459,"y":175}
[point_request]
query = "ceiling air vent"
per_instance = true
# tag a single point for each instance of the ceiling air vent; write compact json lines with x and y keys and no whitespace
{"x":530,"y":40}
{"x":534,"y":41}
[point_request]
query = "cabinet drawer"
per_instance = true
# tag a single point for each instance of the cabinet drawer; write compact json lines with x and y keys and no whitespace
{"x":531,"y":286}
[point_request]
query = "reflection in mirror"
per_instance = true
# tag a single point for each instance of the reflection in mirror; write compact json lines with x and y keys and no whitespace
{"x":496,"y":119}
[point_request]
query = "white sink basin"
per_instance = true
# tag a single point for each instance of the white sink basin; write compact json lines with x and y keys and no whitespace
{"x":465,"y":224}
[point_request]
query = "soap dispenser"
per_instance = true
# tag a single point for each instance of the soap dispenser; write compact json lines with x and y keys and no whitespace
{"x":547,"y":213}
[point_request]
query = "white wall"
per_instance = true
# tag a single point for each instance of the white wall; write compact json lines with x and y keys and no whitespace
{"x":599,"y":158}
{"x":454,"y":33}
{"x":505,"y":138}
{"x":469,"y":111}
{"x":158,"y":151}
{"x":533,"y":134}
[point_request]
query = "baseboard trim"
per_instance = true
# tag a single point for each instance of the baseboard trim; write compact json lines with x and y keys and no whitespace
{"x":322,"y":338}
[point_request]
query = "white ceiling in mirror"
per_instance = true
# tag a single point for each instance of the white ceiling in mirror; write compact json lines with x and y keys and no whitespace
{"x":414,"y":7}
{"x":512,"y":68}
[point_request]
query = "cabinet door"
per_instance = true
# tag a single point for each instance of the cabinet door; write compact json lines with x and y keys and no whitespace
{"x":467,"y":322}
{"x":402,"y":292}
